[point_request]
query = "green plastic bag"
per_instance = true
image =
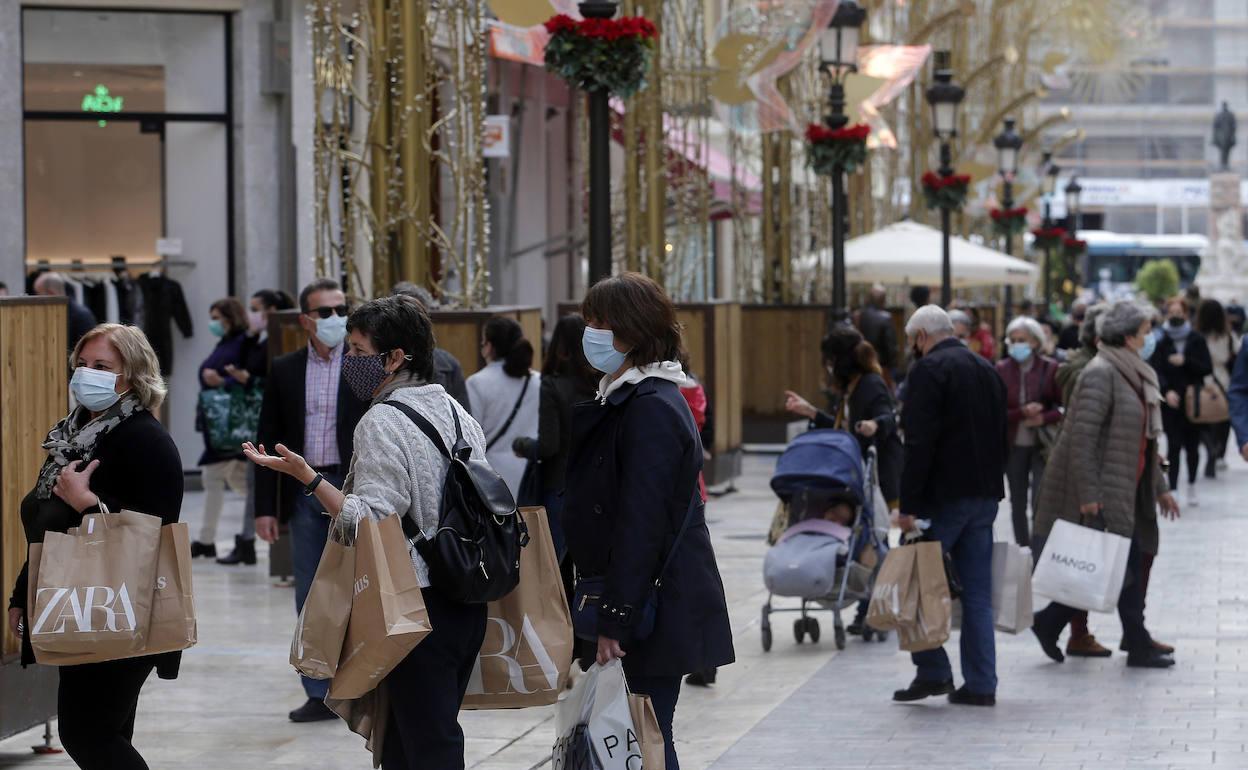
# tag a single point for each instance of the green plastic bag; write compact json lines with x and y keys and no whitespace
{"x":230,"y":416}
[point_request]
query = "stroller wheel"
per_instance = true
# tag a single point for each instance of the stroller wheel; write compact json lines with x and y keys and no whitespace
{"x":840,"y":638}
{"x":767,"y":639}
{"x":867,"y":633}
{"x":799,"y":630}
{"x":812,"y":628}
{"x":881,"y":636}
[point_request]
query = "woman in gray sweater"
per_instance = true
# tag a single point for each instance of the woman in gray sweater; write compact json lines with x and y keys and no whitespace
{"x":396,"y":469}
{"x":1105,"y":472}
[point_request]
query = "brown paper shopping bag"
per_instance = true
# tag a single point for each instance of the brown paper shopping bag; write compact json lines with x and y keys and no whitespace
{"x":322,"y":625}
{"x":894,"y":597}
{"x":366,"y":716}
{"x":95,"y":588}
{"x":931,"y":625}
{"x":388,"y":616}
{"x":648,"y":734}
{"x":528,"y":643}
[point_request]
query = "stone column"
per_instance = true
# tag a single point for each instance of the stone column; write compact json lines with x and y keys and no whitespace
{"x":1224,"y":268}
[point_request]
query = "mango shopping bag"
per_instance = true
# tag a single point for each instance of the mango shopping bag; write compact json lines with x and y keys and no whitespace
{"x":388,"y":615}
{"x":528,"y":645}
{"x":1082,"y":567}
{"x":322,"y":624}
{"x":95,"y":587}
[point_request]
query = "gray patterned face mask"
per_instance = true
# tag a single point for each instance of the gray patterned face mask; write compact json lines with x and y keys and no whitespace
{"x":75,"y":438}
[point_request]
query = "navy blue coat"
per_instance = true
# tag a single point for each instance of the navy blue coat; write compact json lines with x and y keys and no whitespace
{"x":632,"y":477}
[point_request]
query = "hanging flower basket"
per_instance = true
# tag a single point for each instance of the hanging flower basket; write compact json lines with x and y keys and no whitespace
{"x":828,"y":148}
{"x":1073,"y":247}
{"x":610,"y":55}
{"x":945,"y":192}
{"x":1008,"y":221}
{"x":1048,"y":237}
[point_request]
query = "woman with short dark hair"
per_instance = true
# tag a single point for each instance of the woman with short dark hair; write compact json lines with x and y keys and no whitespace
{"x":505,"y":396}
{"x":397,"y":469}
{"x":1215,"y":327}
{"x":632,"y":504}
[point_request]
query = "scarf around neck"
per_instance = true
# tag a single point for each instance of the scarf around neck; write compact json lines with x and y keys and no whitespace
{"x":663,"y":370}
{"x":76,"y":436}
{"x":1178,"y":335}
{"x":1142,"y":377}
{"x":403,"y":379}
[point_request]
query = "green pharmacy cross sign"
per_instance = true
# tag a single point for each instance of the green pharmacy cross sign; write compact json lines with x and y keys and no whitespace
{"x":100,"y":101}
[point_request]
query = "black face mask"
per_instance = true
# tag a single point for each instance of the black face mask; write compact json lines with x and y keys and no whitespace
{"x":1078,"y":319}
{"x":1177,"y":322}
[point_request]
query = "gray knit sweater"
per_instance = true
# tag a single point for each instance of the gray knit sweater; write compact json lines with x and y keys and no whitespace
{"x":397,"y":469}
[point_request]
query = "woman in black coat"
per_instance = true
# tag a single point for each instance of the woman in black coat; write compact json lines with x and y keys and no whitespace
{"x":632,"y":486}
{"x":1182,"y":360}
{"x":112,"y":452}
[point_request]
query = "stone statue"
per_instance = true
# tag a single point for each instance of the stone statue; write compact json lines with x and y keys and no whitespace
{"x":1224,"y":134}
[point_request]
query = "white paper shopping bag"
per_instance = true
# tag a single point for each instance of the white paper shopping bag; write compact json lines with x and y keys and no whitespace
{"x":1011,"y":587}
{"x":595,"y":717}
{"x":1082,"y":567}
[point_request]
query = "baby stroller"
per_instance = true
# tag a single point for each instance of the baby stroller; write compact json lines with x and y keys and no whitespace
{"x":826,"y":565}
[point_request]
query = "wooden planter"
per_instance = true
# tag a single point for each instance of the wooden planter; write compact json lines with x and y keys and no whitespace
{"x":33,"y":396}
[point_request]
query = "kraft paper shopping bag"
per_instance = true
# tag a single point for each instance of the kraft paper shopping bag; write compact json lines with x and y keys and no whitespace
{"x":931,"y":626}
{"x":388,"y":616}
{"x":528,"y":643}
{"x":95,"y":588}
{"x":646,"y":725}
{"x":322,"y":624}
{"x":894,"y":598}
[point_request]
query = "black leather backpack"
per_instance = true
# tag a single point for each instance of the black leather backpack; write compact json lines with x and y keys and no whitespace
{"x":474,"y":557}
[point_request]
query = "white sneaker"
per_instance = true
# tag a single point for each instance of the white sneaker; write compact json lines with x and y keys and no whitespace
{"x":1192,"y":502}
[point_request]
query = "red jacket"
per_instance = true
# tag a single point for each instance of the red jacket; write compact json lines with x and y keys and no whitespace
{"x":695,"y":396}
{"x":1041,"y":388}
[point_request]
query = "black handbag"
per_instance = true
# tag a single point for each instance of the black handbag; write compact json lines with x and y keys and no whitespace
{"x":474,"y":557}
{"x":530,"y":491}
{"x":587,"y":598}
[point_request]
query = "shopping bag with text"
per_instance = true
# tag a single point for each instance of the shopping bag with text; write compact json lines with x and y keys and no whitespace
{"x":1082,"y":567}
{"x":322,"y":623}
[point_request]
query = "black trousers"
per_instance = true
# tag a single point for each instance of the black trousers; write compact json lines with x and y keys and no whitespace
{"x":1216,"y":437}
{"x":1024,"y":470}
{"x":425,"y":690}
{"x":1181,"y":435}
{"x":1135,"y":636}
{"x":96,"y":704}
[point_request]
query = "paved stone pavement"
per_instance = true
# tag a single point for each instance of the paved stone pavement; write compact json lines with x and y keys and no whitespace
{"x":795,"y":707}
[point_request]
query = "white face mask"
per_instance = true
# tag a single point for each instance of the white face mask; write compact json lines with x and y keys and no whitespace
{"x":95,"y":389}
{"x":331,"y":331}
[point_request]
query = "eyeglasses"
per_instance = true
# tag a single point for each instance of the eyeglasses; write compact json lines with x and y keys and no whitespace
{"x":327,"y":311}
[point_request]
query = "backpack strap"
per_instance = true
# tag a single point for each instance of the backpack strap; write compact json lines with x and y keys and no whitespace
{"x":426,"y":427}
{"x":512,"y":418}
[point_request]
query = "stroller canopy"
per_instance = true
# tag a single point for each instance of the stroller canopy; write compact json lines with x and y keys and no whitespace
{"x":825,"y":461}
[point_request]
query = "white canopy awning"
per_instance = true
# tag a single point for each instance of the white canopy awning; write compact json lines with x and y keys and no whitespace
{"x":910,"y":253}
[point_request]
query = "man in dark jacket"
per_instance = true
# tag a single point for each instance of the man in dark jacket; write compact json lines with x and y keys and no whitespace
{"x":876,"y":325}
{"x":446,"y":369}
{"x":310,"y":408}
{"x":954,"y":422}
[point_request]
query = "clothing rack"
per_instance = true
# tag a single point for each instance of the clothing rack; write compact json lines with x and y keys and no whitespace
{"x":115,"y":263}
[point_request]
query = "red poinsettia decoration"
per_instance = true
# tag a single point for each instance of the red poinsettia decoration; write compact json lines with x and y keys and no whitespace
{"x":1073,"y":247}
{"x":945,"y":192}
{"x":1008,"y":221}
{"x":1048,"y":237}
{"x":830,"y":148}
{"x":601,"y":54}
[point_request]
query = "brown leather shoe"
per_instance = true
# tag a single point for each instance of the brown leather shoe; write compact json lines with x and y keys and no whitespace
{"x":1086,"y":646}
{"x":1163,"y":648}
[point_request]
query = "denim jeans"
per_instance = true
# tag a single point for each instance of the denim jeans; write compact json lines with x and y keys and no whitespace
{"x":309,"y":529}
{"x":964,"y":529}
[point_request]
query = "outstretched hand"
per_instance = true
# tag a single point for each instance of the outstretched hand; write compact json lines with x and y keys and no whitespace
{"x":285,"y":461}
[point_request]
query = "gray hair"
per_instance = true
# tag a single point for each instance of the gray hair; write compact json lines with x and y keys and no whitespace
{"x":418,"y":293}
{"x":54,"y":282}
{"x":931,"y":319}
{"x":1029,"y":325}
{"x":1122,"y":319}
{"x":1087,"y":331}
{"x":960,"y":317}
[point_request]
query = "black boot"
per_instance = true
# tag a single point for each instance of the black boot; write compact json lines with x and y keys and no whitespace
{"x":1047,"y":633}
{"x":701,"y":678}
{"x":244,"y":552}
{"x":203,"y":549}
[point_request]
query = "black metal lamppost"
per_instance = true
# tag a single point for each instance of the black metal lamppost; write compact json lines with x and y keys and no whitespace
{"x":1048,"y":185}
{"x":1008,"y":143}
{"x":944,"y":96}
{"x":838,"y":57}
{"x":599,"y":163}
{"x":1073,"y":215}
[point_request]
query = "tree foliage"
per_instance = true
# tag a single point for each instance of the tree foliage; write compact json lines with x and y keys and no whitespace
{"x":1158,"y":279}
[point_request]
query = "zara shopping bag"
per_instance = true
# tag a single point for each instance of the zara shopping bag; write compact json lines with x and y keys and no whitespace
{"x":594,"y":725}
{"x":1011,"y":587}
{"x":933,"y":619}
{"x":528,"y":643}
{"x":895,"y":597}
{"x":322,"y":623}
{"x":388,"y":616}
{"x":95,"y":587}
{"x":1082,"y":567}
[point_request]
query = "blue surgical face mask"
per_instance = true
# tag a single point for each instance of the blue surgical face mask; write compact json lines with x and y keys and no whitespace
{"x":331,"y":331}
{"x":1020,"y":351}
{"x":94,"y":389}
{"x":1150,"y":346}
{"x":599,"y":347}
{"x":216,"y":328}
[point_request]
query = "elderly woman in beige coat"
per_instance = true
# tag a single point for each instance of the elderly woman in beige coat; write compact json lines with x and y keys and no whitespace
{"x":1105,"y":471}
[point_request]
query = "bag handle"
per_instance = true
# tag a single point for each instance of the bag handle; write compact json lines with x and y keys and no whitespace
{"x":512,"y":418}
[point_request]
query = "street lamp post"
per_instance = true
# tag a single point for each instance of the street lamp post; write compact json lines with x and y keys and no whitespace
{"x":1073,"y":215}
{"x":944,"y":96}
{"x":1048,"y":185}
{"x":599,"y":163}
{"x":838,"y":56}
{"x":1008,"y":143}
